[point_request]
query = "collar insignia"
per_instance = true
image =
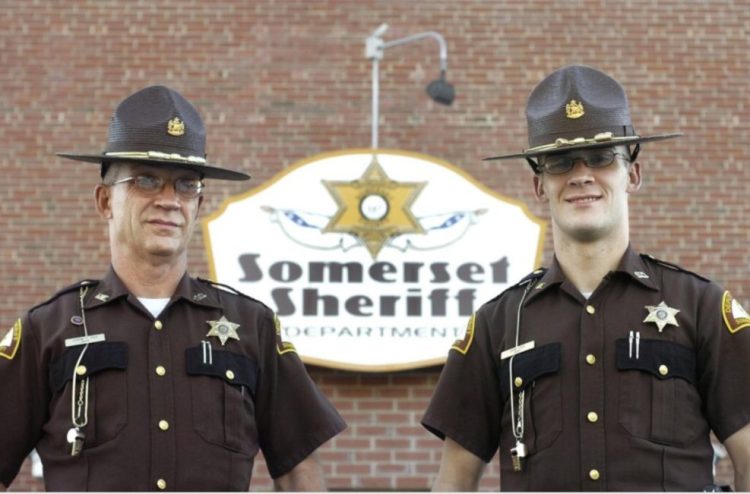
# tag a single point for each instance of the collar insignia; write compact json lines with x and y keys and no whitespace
{"x":223,"y":329}
{"x":661,"y":315}
{"x":102,"y":297}
{"x":574,"y":109}
{"x":175,"y":127}
{"x":735,"y":316}
{"x":199,"y":296}
{"x":641,"y":275}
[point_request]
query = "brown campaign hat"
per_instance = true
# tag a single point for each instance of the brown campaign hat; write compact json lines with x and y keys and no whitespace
{"x":158,"y":126}
{"x":578,"y":107}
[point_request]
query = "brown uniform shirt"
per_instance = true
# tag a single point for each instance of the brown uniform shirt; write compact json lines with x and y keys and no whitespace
{"x":165,"y":411}
{"x":610,"y":401}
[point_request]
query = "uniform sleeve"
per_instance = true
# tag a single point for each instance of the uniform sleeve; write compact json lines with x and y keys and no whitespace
{"x":724,"y":361}
{"x":294,"y":417}
{"x":466,"y":405}
{"x":22,"y":397}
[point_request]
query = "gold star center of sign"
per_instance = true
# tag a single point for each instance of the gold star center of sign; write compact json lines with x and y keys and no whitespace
{"x":661,"y":315}
{"x":223,"y":329}
{"x":374,"y":208}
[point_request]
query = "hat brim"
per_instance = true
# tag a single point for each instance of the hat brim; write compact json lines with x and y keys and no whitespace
{"x":621,"y":141}
{"x":205,"y":171}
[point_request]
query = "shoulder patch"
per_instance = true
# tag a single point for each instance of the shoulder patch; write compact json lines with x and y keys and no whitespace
{"x":11,"y":341}
{"x":282,"y":346}
{"x":462,"y":346}
{"x":67,"y":289}
{"x":672,"y":266}
{"x":735,"y":316}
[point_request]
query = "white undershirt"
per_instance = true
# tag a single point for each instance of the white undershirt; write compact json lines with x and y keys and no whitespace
{"x":586,"y":295}
{"x":154,"y":305}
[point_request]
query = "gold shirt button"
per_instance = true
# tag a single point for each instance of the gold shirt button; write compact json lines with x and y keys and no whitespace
{"x":161,"y":484}
{"x":590,"y":309}
{"x":590,"y":359}
{"x":663,"y":370}
{"x":592,"y":417}
{"x":158,"y":325}
{"x":518,"y":382}
{"x":163,"y":425}
{"x":229,"y":374}
{"x":594,"y":474}
{"x":160,"y":370}
{"x":81,"y":370}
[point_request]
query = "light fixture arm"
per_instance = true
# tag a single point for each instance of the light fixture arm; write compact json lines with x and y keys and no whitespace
{"x":374,"y":50}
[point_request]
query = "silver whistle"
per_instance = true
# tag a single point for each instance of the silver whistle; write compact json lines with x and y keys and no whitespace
{"x":517,"y":454}
{"x":75,"y":438}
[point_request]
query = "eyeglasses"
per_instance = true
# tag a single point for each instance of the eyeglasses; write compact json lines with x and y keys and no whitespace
{"x":186,"y":188}
{"x":557,"y":164}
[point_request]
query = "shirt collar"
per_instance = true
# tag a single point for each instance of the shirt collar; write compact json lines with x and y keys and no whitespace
{"x":111,"y":288}
{"x":631,"y":264}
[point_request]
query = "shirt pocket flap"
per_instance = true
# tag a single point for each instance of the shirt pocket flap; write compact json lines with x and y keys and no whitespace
{"x":529,"y":366}
{"x":233,"y":368}
{"x":97,"y":358}
{"x":662,"y":359}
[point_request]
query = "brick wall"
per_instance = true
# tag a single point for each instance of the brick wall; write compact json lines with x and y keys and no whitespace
{"x":281,"y":80}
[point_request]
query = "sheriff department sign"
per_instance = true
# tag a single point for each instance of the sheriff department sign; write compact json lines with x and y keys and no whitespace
{"x":373,"y":262}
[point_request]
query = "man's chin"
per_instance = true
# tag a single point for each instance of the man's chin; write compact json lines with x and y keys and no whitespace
{"x":165,"y":251}
{"x":589,"y":233}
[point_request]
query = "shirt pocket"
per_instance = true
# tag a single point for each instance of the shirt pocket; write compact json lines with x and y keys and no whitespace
{"x":223,"y":388}
{"x":536,"y":372}
{"x":658,"y":398}
{"x":105,"y":365}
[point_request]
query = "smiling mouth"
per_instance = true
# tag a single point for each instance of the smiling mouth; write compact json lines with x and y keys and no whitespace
{"x":583,"y":199}
{"x":160,"y":223}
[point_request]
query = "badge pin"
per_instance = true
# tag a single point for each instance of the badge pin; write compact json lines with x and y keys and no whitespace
{"x":102,"y":297}
{"x":175,"y":127}
{"x":574,"y":109}
{"x":223,"y":329}
{"x":661,"y":315}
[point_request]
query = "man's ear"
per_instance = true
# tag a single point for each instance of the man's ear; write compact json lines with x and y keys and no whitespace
{"x":634,"y":177}
{"x":103,"y":199}
{"x":539,"y":189}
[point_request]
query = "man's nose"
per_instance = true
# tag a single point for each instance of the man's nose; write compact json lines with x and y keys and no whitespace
{"x":168,"y":193}
{"x":580,"y":173}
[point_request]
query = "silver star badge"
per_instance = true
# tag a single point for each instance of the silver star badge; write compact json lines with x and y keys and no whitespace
{"x":223,"y":329}
{"x":661,"y":315}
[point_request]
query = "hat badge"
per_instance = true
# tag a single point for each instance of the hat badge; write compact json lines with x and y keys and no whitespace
{"x":574,"y":109}
{"x":175,"y":127}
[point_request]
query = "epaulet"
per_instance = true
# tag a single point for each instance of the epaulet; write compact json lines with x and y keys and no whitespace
{"x":533,"y":276}
{"x":75,"y":286}
{"x":529,"y":278}
{"x":229,"y":289}
{"x":674,"y":267}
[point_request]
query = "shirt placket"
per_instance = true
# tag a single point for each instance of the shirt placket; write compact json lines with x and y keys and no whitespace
{"x":162,"y":410}
{"x":591,"y":408}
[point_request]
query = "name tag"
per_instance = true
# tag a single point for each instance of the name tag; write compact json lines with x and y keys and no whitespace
{"x":85,"y":340}
{"x":516,"y":350}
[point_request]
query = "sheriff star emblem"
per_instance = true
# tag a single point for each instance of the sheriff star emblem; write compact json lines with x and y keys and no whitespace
{"x":661,"y":315}
{"x":374,"y":208}
{"x":223,"y":329}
